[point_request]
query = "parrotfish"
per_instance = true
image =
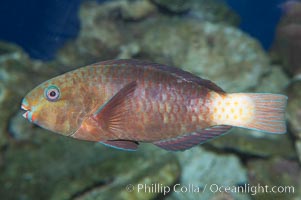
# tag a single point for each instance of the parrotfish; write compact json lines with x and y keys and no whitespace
{"x":121,"y":103}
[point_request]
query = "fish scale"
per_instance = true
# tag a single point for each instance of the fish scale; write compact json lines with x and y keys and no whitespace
{"x":123,"y":102}
{"x":176,"y":113}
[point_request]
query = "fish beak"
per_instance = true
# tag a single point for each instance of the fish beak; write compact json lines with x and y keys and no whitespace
{"x":25,"y":115}
{"x":25,"y":106}
{"x":28,"y":115}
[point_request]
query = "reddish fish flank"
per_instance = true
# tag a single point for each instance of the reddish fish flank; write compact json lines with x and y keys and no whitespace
{"x":123,"y":102}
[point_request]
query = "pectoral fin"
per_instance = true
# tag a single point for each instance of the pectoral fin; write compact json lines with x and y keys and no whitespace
{"x":111,"y":115}
{"x":110,"y":119}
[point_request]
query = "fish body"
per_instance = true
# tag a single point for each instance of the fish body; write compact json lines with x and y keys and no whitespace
{"x":123,"y":102}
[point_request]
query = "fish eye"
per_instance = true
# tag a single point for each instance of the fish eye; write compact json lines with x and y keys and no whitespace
{"x":52,"y":93}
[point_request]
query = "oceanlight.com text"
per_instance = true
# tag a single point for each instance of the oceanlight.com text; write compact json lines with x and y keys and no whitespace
{"x":213,"y":188}
{"x":251,"y":189}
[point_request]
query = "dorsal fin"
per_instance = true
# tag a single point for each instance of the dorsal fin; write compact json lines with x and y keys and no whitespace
{"x":177,"y":72}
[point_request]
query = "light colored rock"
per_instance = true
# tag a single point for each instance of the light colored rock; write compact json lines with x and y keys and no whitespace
{"x":137,"y":10}
{"x":206,"y":170}
{"x":276,"y":81}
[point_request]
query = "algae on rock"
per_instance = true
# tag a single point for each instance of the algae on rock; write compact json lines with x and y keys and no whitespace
{"x":58,"y":168}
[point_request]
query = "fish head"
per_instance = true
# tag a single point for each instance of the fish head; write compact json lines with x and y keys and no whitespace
{"x":55,"y":105}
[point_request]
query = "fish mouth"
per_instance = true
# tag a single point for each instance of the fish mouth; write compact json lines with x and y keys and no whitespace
{"x":25,"y":107}
{"x":25,"y":115}
{"x":28,"y":115}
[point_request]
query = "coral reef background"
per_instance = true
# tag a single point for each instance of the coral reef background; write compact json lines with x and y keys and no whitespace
{"x":200,"y":36}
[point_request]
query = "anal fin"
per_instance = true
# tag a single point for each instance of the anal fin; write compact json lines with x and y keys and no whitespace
{"x":187,"y":141}
{"x":127,"y":145}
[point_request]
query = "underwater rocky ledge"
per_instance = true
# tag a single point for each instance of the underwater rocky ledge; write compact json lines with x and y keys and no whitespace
{"x":197,"y":36}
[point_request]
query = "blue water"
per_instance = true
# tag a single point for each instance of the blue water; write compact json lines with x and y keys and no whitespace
{"x":259,"y":18}
{"x":41,"y":27}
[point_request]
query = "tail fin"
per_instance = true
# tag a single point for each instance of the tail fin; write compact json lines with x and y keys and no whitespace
{"x":262,"y":112}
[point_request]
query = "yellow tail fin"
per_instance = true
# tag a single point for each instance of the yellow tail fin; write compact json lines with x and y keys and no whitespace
{"x":258,"y":111}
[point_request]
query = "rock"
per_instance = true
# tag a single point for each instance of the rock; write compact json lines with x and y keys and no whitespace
{"x":206,"y":49}
{"x":255,"y":143}
{"x":137,"y":10}
{"x":58,"y":168}
{"x":128,"y":51}
{"x":279,"y":172}
{"x":294,"y":108}
{"x":212,"y":11}
{"x":287,"y":43}
{"x":5,"y":102}
{"x":176,"y":6}
{"x":96,"y":43}
{"x":206,"y":170}
{"x":276,"y":81}
{"x":294,"y":112}
{"x":223,"y":196}
{"x":164,"y":171}
{"x":298,"y":147}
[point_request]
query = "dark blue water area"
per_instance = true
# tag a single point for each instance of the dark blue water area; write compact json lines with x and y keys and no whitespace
{"x":43,"y":26}
{"x":39,"y":26}
{"x":259,"y":18}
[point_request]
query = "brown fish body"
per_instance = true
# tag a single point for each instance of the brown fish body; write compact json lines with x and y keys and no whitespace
{"x":123,"y":102}
{"x":162,"y":106}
